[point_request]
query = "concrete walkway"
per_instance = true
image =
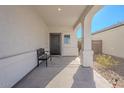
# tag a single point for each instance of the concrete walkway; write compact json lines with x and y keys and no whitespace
{"x":63,"y":72}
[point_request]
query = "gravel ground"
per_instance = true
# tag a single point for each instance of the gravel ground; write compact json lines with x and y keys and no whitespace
{"x":115,"y":72}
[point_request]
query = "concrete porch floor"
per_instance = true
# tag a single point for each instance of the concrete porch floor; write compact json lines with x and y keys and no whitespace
{"x":63,"y":72}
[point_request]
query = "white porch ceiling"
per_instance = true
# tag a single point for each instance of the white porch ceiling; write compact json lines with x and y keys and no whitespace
{"x":67,"y":17}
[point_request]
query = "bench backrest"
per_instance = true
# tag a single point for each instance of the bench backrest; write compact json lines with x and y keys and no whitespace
{"x":40,"y":52}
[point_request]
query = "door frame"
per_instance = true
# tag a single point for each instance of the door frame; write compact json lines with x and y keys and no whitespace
{"x":59,"y":43}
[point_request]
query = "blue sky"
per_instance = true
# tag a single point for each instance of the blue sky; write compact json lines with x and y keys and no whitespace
{"x":107,"y":16}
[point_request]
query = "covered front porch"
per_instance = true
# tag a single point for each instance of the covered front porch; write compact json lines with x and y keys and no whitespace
{"x":23,"y":31}
{"x":63,"y":72}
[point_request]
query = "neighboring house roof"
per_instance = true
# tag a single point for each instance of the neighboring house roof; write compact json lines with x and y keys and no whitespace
{"x":110,"y":27}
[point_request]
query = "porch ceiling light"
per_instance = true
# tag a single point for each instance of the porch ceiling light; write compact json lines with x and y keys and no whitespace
{"x":59,"y":9}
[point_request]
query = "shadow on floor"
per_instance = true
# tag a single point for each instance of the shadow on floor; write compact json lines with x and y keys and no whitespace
{"x":41,"y":76}
{"x":84,"y":78}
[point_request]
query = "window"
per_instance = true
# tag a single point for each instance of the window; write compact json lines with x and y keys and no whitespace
{"x":66,"y":39}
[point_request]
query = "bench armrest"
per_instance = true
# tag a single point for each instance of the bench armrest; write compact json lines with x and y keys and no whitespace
{"x":47,"y":52}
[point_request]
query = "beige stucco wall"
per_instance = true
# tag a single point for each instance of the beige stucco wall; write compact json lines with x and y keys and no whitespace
{"x":21,"y":30}
{"x":113,"y":41}
{"x":70,"y":49}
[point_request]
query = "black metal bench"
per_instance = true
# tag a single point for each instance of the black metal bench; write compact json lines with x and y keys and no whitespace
{"x":42,"y":55}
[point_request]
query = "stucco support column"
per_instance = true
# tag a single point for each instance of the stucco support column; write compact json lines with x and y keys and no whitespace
{"x":87,"y":46}
{"x":86,"y":53}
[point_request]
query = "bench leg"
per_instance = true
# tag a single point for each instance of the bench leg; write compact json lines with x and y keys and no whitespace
{"x":50,"y":58}
{"x":46,"y":63}
{"x":38,"y":63}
